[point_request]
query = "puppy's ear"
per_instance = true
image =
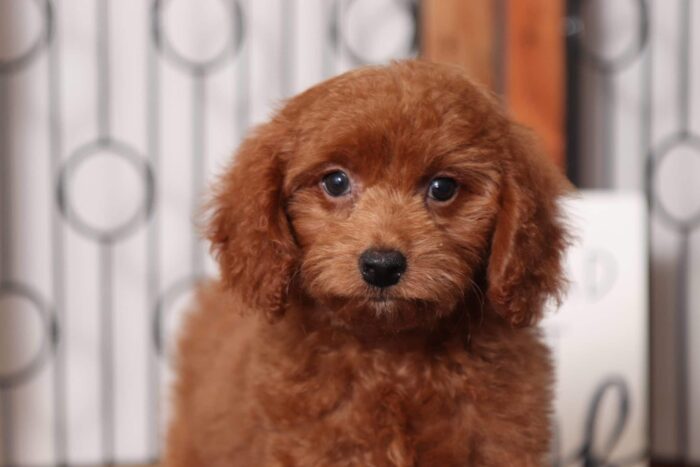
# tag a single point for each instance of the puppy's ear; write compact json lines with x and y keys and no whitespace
{"x":248,"y":226}
{"x":525,"y":267}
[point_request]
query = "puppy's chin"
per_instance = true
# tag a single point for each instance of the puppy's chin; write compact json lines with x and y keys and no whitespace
{"x":384,"y":314}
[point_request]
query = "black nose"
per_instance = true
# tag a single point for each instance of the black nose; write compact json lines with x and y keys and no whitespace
{"x":382,"y":268}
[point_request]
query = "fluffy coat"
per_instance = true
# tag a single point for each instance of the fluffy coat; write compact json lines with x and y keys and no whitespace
{"x":291,"y":359}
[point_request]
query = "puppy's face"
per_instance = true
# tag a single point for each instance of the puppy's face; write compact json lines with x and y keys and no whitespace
{"x":392,"y":206}
{"x":387,"y":196}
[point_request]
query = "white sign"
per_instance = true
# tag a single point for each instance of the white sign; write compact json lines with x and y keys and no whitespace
{"x":600,"y":335}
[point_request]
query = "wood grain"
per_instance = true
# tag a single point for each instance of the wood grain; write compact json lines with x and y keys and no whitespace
{"x":520,"y":45}
{"x":460,"y":32}
{"x":535,"y":69}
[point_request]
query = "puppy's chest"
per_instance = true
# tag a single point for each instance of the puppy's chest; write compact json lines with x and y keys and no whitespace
{"x":372,"y":391}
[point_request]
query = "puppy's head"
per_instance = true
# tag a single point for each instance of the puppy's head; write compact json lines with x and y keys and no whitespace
{"x":388,"y":197}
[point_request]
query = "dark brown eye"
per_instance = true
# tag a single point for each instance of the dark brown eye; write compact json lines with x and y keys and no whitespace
{"x":336,"y":183}
{"x":442,"y":188}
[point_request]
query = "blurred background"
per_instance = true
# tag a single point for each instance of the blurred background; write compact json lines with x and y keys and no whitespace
{"x":114,"y":115}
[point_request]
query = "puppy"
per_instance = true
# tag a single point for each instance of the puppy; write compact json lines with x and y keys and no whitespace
{"x":386,"y":242}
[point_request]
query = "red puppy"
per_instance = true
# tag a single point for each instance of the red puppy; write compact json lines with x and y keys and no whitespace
{"x":386,"y":243}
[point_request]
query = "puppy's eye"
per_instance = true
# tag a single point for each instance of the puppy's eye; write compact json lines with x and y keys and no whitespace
{"x":442,"y":188}
{"x":336,"y":183}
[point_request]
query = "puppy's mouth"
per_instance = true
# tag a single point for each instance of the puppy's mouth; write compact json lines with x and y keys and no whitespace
{"x":382,"y":299}
{"x":384,"y":310}
{"x":380,"y":296}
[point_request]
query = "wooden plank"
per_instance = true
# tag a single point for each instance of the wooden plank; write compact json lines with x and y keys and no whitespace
{"x":460,"y":32}
{"x":535,"y":69}
{"x":465,"y":33}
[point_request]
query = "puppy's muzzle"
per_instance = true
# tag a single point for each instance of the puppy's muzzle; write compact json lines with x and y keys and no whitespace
{"x":382,"y":268}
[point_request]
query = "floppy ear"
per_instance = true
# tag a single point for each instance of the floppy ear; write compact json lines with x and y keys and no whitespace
{"x":525,"y":267}
{"x":248,"y":226}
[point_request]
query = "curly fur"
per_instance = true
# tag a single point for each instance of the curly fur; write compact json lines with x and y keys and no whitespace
{"x":292,"y":360}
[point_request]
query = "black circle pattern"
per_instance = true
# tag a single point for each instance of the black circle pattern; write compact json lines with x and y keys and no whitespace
{"x":341,"y":42}
{"x":129,"y":155}
{"x":163,"y":308}
{"x":655,"y":160}
{"x":38,"y":45}
{"x":12,"y":288}
{"x":233,"y":45}
{"x":49,"y":336}
{"x":629,"y":55}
